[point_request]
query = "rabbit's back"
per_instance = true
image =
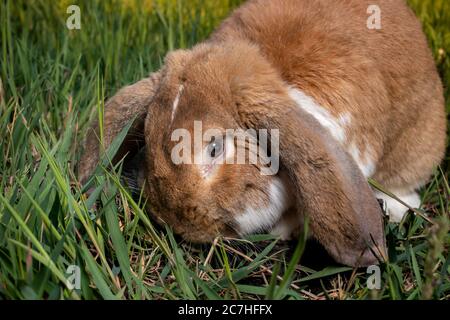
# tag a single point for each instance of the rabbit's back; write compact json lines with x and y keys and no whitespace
{"x":378,"y":82}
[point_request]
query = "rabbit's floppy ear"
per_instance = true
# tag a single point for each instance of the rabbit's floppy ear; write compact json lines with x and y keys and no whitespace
{"x":130,"y":102}
{"x":330,"y":189}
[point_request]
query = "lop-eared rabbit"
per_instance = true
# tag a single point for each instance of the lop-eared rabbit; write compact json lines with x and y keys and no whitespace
{"x":349,"y":103}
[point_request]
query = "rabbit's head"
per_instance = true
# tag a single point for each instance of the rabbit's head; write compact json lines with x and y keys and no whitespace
{"x":228,"y":152}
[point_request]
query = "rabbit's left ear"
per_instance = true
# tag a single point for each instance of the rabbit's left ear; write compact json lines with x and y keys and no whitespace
{"x":130,"y":102}
{"x":330,"y":189}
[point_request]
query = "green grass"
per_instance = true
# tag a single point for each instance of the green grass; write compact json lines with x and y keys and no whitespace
{"x":52,"y":79}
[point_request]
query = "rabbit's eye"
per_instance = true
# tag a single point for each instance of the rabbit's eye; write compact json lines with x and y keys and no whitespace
{"x":215,"y":147}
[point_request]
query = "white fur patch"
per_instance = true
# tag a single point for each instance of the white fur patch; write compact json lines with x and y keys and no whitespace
{"x":395,"y":209}
{"x":336,"y":126}
{"x":283,"y":229}
{"x":257,"y":219}
{"x":176,"y":102}
{"x":365,"y":163}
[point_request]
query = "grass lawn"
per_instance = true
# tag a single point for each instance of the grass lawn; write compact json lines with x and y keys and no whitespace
{"x":54,"y":80}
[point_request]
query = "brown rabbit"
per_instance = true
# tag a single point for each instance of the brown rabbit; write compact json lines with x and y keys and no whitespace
{"x":349,"y":102}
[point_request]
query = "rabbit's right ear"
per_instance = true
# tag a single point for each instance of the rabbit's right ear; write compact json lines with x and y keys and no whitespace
{"x":329,"y":187}
{"x":130,"y":102}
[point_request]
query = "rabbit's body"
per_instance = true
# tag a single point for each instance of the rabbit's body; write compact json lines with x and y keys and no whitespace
{"x":349,"y":103}
{"x":377,"y":91}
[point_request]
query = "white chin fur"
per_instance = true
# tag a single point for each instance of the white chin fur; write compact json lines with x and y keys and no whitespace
{"x":395,"y":210}
{"x":263,"y":218}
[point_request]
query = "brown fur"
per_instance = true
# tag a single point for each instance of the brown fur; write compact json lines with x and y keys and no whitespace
{"x":327,"y":51}
{"x":385,"y":79}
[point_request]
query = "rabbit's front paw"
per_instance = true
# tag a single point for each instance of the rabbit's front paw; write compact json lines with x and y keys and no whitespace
{"x":394,"y":209}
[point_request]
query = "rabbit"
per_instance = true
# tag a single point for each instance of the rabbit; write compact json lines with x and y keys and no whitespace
{"x":349,"y":103}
